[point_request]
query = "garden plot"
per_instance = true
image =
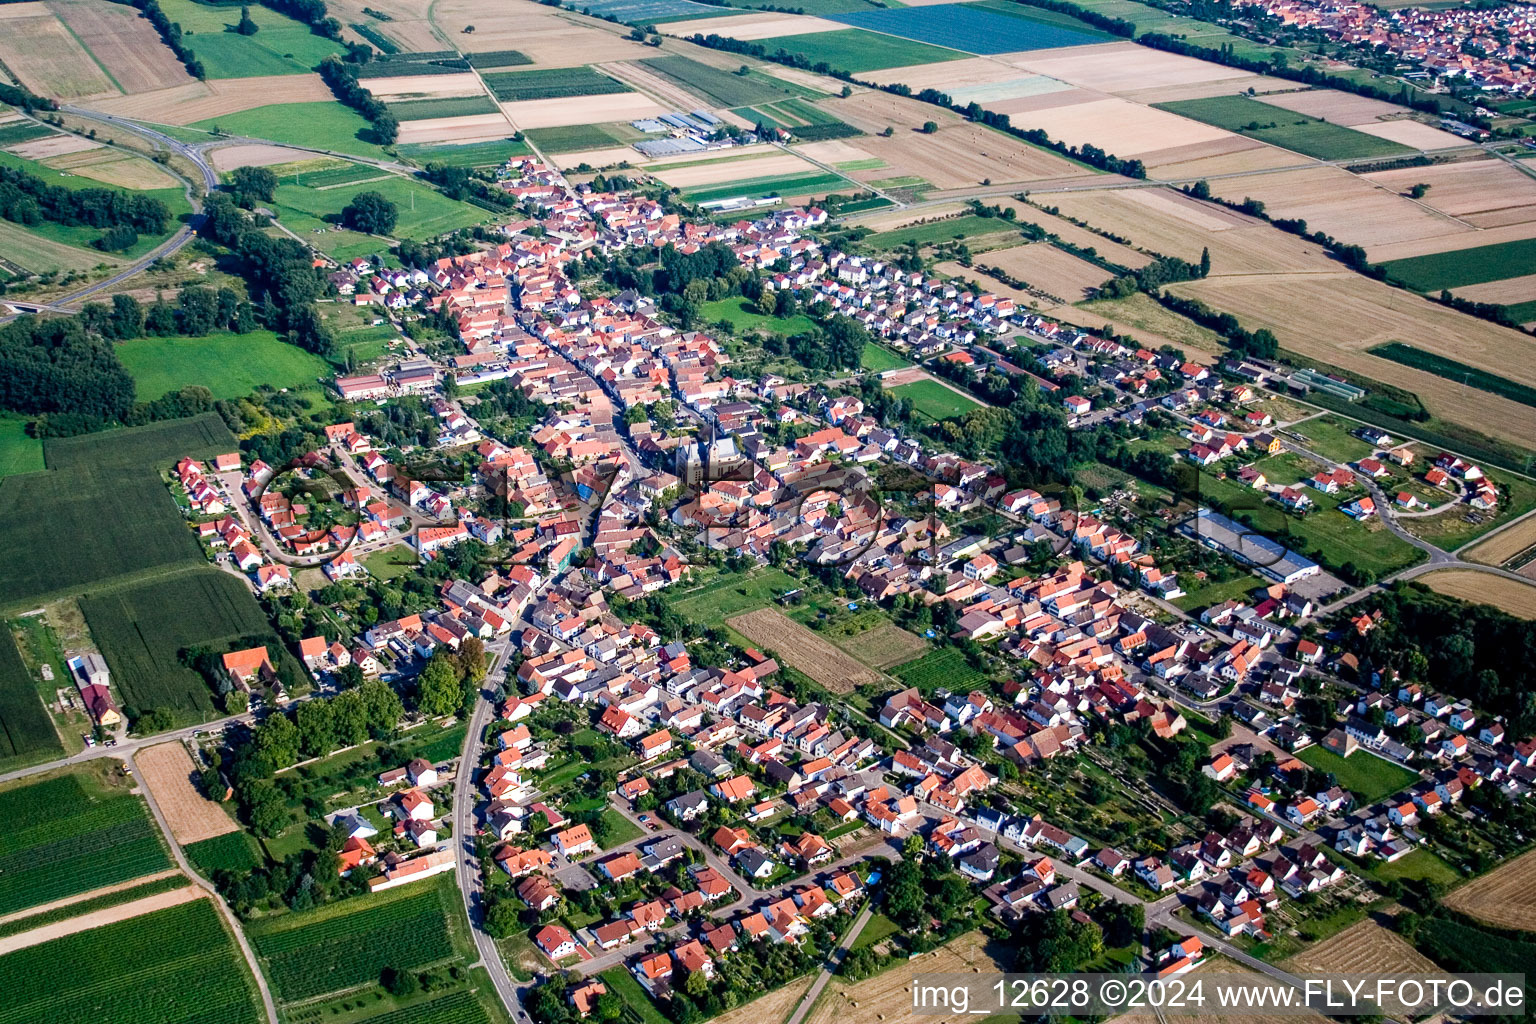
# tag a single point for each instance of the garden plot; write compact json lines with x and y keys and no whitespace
{"x":125,"y":43}
{"x":46,"y":57}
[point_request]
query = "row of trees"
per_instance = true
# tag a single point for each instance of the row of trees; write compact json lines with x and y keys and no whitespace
{"x":27,"y":199}
{"x":169,"y":31}
{"x":342,"y":79}
{"x":197,"y":311}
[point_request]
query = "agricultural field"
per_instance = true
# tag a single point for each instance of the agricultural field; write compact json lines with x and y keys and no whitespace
{"x":855,"y":50}
{"x":44,"y":55}
{"x":1455,"y":370}
{"x":144,"y":629}
{"x":944,"y":667}
{"x":803,"y":649}
{"x":71,"y":833}
{"x":168,"y":771}
{"x":229,"y":365}
{"x":967,"y":228}
{"x":174,"y":966}
{"x":978,"y":28}
{"x":882,"y":647}
{"x":453,"y":106}
{"x":473,"y":154}
{"x":134,"y":170}
{"x":1043,"y":267}
{"x":1518,"y":599}
{"x":578,"y":138}
{"x":26,"y":730}
{"x":19,"y":453}
{"x":787,"y":185}
{"x":887,"y":996}
{"x":1284,"y":128}
{"x":1156,"y":323}
{"x":1458,"y":268}
{"x":423,"y":211}
{"x":32,"y":252}
{"x":281,"y":46}
{"x":1509,"y":544}
{"x":124,"y":43}
{"x":728,"y":595}
{"x":1504,"y":897}
{"x":349,"y":943}
{"x":319,"y":125}
{"x":232,"y":851}
{"x":58,"y":541}
{"x":551,"y":83}
{"x":1364,"y":774}
{"x":719,"y":86}
{"x":934,"y":400}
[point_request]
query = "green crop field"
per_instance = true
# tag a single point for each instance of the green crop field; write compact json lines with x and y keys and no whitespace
{"x":423,"y":211}
{"x":550,"y":83}
{"x":944,"y":667}
{"x":116,"y":898}
{"x":26,"y":730}
{"x":19,"y":453}
{"x":776,"y":185}
{"x":349,"y":943}
{"x":38,"y":254}
{"x":233,"y":851}
{"x":175,"y":966}
{"x":474,"y":154}
{"x":574,"y":138}
{"x":856,"y":50}
{"x":455,"y":106}
{"x":725,"y":88}
{"x":1461,"y":267}
{"x":878,"y":359}
{"x":1367,"y":776}
{"x":281,"y":46}
{"x":1452,"y":369}
{"x":70,"y":834}
{"x":934,"y":400}
{"x":498,"y":59}
{"x":56,"y":536}
{"x":320,"y":125}
{"x":229,"y":365}
{"x":743,"y":316}
{"x":144,"y":629}
{"x":1284,"y":128}
{"x":935,"y":232}
{"x":330,"y":176}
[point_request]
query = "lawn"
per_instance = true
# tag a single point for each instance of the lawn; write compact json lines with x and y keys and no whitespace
{"x":726,"y":88}
{"x":1332,"y":439}
{"x":175,"y":966}
{"x":281,"y":45}
{"x":622,"y":983}
{"x":1364,"y":774}
{"x":574,"y":138}
{"x":1284,"y":128}
{"x":1203,"y":595}
{"x":878,"y":927}
{"x":977,"y":28}
{"x":19,"y":453}
{"x":320,"y":125}
{"x":878,"y":358}
{"x":934,"y":400}
{"x":743,"y":317}
{"x":855,"y":50}
{"x":730,"y":595}
{"x":552,"y":83}
{"x":72,"y":833}
{"x":423,"y":211}
{"x":229,"y":365}
{"x":620,"y":829}
{"x":54,"y":535}
{"x":144,"y":631}
{"x":935,"y":232}
{"x":1419,"y":864}
{"x":388,"y":563}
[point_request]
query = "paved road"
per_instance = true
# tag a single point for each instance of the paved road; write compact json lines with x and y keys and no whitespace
{"x":125,"y":748}
{"x":835,"y":958}
{"x":203,"y":883}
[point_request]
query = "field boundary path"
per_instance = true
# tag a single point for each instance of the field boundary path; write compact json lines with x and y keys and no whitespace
{"x":213,"y":894}
{"x":100,"y":918}
{"x":106,"y":890}
{"x":833,"y":960}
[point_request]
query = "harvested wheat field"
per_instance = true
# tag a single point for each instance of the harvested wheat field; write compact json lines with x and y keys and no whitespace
{"x":835,"y":152}
{"x":1338,"y":107}
{"x":547,"y":35}
{"x":1146,"y":320}
{"x":1126,"y":67}
{"x":1341,"y":204}
{"x":567,"y":110}
{"x":952,"y":76}
{"x":53,"y":145}
{"x":1449,"y":243}
{"x":200,"y":101}
{"x":1363,"y":948}
{"x":1205,"y":160}
{"x":751,"y":26}
{"x":40,"y":51}
{"x":1051,"y":270}
{"x":765,"y":166}
{"x":1510,"y":289}
{"x":1205,"y":90}
{"x":1505,"y":544}
{"x":1505,"y":897}
{"x":1113,"y":251}
{"x":469,"y":128}
{"x":638,"y":76}
{"x":167,"y":770}
{"x":1126,"y":129}
{"x":1518,"y":599}
{"x":592,"y":157}
{"x":887,"y":997}
{"x":1214,"y":965}
{"x":115,"y":167}
{"x":808,"y":79}
{"x":1468,"y":188}
{"x":1309,"y":312}
{"x":125,"y":42}
{"x":890,"y":220}
{"x":805,"y":650}
{"x":227,"y":158}
{"x":768,"y":1009}
{"x":422,"y":86}
{"x":884,"y":646}
{"x":409,"y":23}
{"x":1412,"y":133}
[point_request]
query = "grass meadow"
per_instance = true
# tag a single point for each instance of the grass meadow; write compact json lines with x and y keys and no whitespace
{"x":934,"y":400}
{"x":229,"y":365}
{"x":1287,"y":129}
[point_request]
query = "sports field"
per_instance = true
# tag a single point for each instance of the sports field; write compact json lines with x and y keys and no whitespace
{"x":56,"y":536}
{"x":72,"y":833}
{"x":423,"y":211}
{"x":174,"y":966}
{"x":977,"y":29}
{"x":229,"y":365}
{"x":1461,"y":267}
{"x":328,"y":126}
{"x":854,"y":50}
{"x":147,"y":633}
{"x":931,"y":399}
{"x":281,"y":46}
{"x":1284,"y":128}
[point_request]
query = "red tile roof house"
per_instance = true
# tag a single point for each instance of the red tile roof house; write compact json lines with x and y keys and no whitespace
{"x":555,"y":941}
{"x":575,"y":841}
